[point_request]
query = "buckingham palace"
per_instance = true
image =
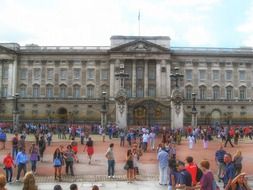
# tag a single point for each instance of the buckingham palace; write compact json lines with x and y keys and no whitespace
{"x":73,"y":83}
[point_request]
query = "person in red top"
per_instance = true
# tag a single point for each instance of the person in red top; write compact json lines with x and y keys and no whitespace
{"x":8,"y":164}
{"x":192,"y":168}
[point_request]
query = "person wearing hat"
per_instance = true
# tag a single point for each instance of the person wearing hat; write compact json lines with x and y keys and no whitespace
{"x":240,"y":182}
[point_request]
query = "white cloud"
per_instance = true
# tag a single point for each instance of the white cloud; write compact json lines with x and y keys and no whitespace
{"x":93,"y":22}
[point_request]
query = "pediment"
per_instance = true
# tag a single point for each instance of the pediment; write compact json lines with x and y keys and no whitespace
{"x":6,"y":53}
{"x":140,"y":46}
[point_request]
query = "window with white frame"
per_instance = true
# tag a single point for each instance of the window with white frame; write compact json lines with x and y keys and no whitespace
{"x":104,"y":74}
{"x":228,"y":75}
{"x":90,"y":91}
{"x":151,"y":73}
{"x":202,"y":92}
{"x":63,"y":74}
{"x":242,"y":75}
{"x":50,"y":73}
{"x":5,"y":72}
{"x":77,"y":74}
{"x":202,"y":75}
{"x":23,"y":74}
{"x":36,"y":90}
{"x":229,"y":93}
{"x":216,"y":75}
{"x":91,"y":74}
{"x":63,"y":91}
{"x":188,"y":74}
{"x":76,"y":91}
{"x":216,"y":92}
{"x":4,"y":90}
{"x":242,"y":93}
{"x":36,"y":75}
{"x":188,"y":92}
{"x":49,"y":91}
{"x":22,"y":91}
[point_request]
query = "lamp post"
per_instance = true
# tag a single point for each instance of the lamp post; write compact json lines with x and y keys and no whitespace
{"x":194,"y":111}
{"x":103,"y":111}
{"x":16,"y":113}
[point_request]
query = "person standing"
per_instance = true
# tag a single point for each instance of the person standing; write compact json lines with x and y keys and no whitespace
{"x":207,"y":180}
{"x":229,"y":172}
{"x":42,"y":147}
{"x":191,"y":141}
{"x":69,"y":156}
{"x":205,"y":140}
{"x":57,"y":161}
{"x":3,"y":138}
{"x":237,"y":160}
{"x":152,"y":140}
{"x":21,"y":161}
{"x":145,"y":138}
{"x":111,"y":161}
{"x":89,"y":148}
{"x":130,"y":164}
{"x":122,"y":137}
{"x":34,"y":154}
{"x":219,"y":158}
{"x":163,"y":159}
{"x":8,"y":164}
{"x":15,"y":143}
{"x":184,"y":177}
{"x":192,"y":168}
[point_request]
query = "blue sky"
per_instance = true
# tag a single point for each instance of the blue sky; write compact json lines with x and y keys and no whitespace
{"x":189,"y":23}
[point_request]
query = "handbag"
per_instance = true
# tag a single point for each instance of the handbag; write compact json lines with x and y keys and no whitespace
{"x":126,"y":166}
{"x":57,"y":162}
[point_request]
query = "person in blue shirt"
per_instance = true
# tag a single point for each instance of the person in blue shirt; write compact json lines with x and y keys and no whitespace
{"x":163,"y":158}
{"x":229,"y":172}
{"x":21,"y":161}
{"x":219,"y":158}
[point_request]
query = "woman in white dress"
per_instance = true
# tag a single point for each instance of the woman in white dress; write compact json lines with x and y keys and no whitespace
{"x":191,"y":141}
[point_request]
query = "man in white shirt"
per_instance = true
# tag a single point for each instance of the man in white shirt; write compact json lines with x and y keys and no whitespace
{"x":145,"y":138}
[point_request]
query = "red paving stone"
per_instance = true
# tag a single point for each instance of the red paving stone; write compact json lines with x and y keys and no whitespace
{"x":148,"y":160}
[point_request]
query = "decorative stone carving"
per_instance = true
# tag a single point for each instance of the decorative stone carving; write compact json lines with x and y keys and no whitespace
{"x":121,"y":100}
{"x":177,"y":99}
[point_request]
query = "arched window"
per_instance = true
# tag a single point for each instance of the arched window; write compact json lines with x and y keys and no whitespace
{"x":242,"y":93}
{"x":63,"y":91}
{"x":202,"y":92}
{"x":22,"y":90}
{"x":49,"y":91}
{"x":229,"y":92}
{"x":90,"y":91}
{"x":76,"y":91}
{"x":188,"y":92}
{"x":216,"y":92}
{"x":36,"y":90}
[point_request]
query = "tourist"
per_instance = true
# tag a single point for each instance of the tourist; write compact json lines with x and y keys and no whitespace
{"x":29,"y":182}
{"x":205,"y":140}
{"x":191,"y":141}
{"x":184,"y":177}
{"x":163,"y":159}
{"x":229,"y":172}
{"x":95,"y":187}
{"x":240,"y":182}
{"x":3,"y":138}
{"x":14,"y":142}
{"x":152,"y":140}
{"x":122,"y":137}
{"x":89,"y":148}
{"x":2,"y":182}
{"x":136,"y":156}
{"x":74,"y":146}
{"x":145,"y":138}
{"x":42,"y":147}
{"x":73,"y":186}
{"x":21,"y":142}
{"x":8,"y":165}
{"x":57,"y":161}
{"x":237,"y":160}
{"x":228,"y":139}
{"x":207,"y":180}
{"x":111,"y":161}
{"x":69,"y":156}
{"x":173,"y":174}
{"x":130,"y":166}
{"x":49,"y":138}
{"x":192,"y":168}
{"x":219,"y":158}
{"x":34,"y":155}
{"x":21,"y":161}
{"x":57,"y":187}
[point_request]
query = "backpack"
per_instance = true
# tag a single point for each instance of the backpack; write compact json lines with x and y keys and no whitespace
{"x":199,"y":174}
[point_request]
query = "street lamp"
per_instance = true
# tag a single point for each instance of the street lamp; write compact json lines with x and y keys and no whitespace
{"x":194,"y":111}
{"x":103,"y":111}
{"x":16,"y":113}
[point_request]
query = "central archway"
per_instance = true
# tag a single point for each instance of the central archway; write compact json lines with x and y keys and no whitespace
{"x":62,"y":115}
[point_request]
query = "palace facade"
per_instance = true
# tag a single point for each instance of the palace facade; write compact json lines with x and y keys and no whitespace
{"x":59,"y":83}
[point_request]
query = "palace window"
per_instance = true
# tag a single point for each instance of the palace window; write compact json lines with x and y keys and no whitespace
{"x":77,"y":74}
{"x":49,"y":91}
{"x":202,"y":75}
{"x":139,"y":91}
{"x":242,"y":93}
{"x":50,"y":73}
{"x":76,"y":91}
{"x":151,"y":74}
{"x":216,"y":75}
{"x":216,"y":92}
{"x":91,"y":74}
{"x":229,"y":92}
{"x":36,"y":90}
{"x":36,"y":75}
{"x":128,"y":91}
{"x":63,"y":74}
{"x":90,"y":91}
{"x":23,"y":74}
{"x":22,"y":91}
{"x":188,"y":93}
{"x":229,"y":74}
{"x":63,"y":91}
{"x":139,"y":73}
{"x":5,"y":72}
{"x":4,"y":90}
{"x":188,"y":75}
{"x":202,"y":92}
{"x":242,"y":75}
{"x":104,"y":74}
{"x":151,"y":91}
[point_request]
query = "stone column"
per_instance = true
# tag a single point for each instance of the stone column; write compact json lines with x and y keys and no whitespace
{"x":158,"y":79}
{"x":112,"y":80}
{"x":10,"y":80}
{"x":146,"y":78}
{"x":134,"y":79}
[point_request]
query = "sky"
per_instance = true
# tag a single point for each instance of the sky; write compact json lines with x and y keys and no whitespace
{"x":189,"y":23}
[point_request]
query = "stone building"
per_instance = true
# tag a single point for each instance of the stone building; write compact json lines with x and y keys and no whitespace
{"x":58,"y":83}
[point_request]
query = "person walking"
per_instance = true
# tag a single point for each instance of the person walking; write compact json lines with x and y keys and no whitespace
{"x":237,"y":160}
{"x":130,"y":166}
{"x":89,"y":149}
{"x":163,"y":159}
{"x":122,"y":137}
{"x":42,"y":147}
{"x":152,"y":140}
{"x":69,"y":156}
{"x":57,"y":161}
{"x":8,"y":164}
{"x":34,"y":155}
{"x":191,"y":141}
{"x":14,"y":142}
{"x":228,"y":139}
{"x":111,"y":161}
{"x":21,"y":161}
{"x":219,"y":158}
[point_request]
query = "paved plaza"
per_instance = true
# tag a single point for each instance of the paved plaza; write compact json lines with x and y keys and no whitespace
{"x":86,"y":175}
